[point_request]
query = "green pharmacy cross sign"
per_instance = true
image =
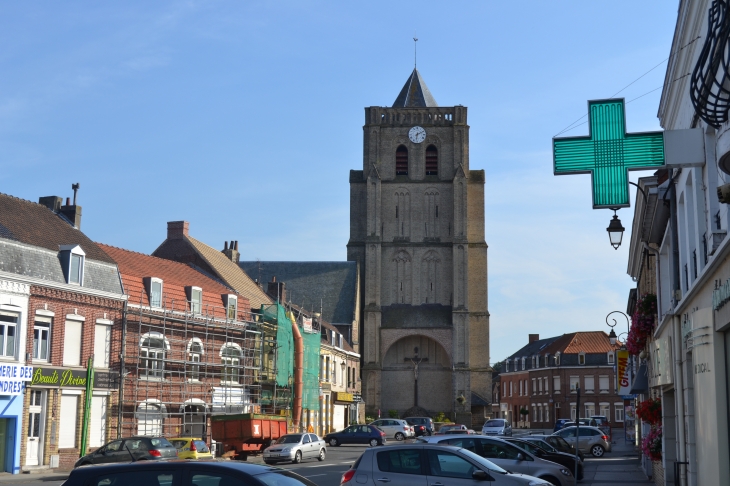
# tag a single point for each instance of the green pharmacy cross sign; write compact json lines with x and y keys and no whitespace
{"x":608,"y":153}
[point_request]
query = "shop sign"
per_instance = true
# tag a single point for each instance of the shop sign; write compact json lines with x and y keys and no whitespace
{"x":624,"y":374}
{"x":356,"y":397}
{"x":70,"y":378}
{"x":307,"y":324}
{"x":721,"y":295}
{"x":13,"y":378}
{"x":343,"y":397}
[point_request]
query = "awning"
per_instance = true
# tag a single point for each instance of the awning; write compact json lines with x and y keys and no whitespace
{"x":641,"y":382}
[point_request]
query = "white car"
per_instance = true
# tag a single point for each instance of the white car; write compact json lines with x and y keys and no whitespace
{"x":395,"y":428}
{"x":295,"y":448}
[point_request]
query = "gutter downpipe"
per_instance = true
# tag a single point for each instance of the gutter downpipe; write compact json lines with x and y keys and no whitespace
{"x":298,"y":374}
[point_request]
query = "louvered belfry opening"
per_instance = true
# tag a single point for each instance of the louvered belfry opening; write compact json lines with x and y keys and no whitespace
{"x":401,"y":161}
{"x":432,"y":160}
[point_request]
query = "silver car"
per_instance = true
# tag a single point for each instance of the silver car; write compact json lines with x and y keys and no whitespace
{"x":507,"y":456}
{"x":430,"y":465}
{"x":295,"y":448}
{"x":591,"y":439}
{"x":497,"y":427}
{"x":395,"y":428}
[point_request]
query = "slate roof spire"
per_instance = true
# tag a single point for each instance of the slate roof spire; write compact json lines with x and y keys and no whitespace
{"x":415,"y":93}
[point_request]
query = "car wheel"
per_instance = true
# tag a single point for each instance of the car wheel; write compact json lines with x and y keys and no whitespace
{"x":597,"y":450}
{"x":399,"y":436}
{"x":373,"y":442}
{"x":334,"y":442}
{"x":322,"y":453}
{"x":551,"y":480}
{"x":297,"y":457}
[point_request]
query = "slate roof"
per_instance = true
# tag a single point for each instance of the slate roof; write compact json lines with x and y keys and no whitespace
{"x":415,"y":93}
{"x":327,"y":330}
{"x":175,"y":276}
{"x":35,"y":224}
{"x":533,"y":348}
{"x":308,"y":283}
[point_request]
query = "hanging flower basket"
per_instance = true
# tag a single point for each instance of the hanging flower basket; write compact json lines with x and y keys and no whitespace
{"x":642,"y":324}
{"x":650,"y":411}
{"x":651,"y":446}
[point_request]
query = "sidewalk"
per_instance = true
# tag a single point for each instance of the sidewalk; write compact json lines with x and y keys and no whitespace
{"x":621,"y":466}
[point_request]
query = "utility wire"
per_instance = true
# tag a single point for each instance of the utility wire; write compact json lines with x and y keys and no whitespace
{"x":573,"y":125}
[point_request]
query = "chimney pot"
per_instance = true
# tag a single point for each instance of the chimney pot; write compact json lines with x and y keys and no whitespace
{"x":176,"y":230}
{"x":533,"y":337}
{"x":225,"y":246}
{"x":68,"y":201}
{"x":236,"y":245}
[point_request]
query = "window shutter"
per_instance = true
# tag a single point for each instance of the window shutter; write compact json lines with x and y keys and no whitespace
{"x":603,"y":384}
{"x":97,"y":436}
{"x":102,"y":336}
{"x":590,"y":383}
{"x":72,"y":344}
{"x":67,"y":430}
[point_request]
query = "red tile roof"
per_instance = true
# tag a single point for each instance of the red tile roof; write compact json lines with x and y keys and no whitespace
{"x":587,"y":342}
{"x":134,"y":267}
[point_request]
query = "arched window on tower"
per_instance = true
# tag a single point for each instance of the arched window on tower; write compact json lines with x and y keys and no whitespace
{"x":432,"y":160}
{"x":401,"y":161}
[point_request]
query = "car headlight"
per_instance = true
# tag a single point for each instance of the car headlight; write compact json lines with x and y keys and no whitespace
{"x":565,"y":472}
{"x":286,"y":450}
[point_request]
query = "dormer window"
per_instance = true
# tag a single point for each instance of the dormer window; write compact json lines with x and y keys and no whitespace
{"x":506,"y":366}
{"x":547,"y":360}
{"x":534,"y":362}
{"x":523,"y":364}
{"x":72,"y":260}
{"x":195,"y":296}
{"x":610,"y":357}
{"x":582,"y":358}
{"x":557,"y":359}
{"x":154,"y":291}
{"x":339,"y":339}
{"x":231,"y":306}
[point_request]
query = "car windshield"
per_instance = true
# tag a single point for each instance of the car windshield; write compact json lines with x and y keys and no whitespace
{"x":494,"y":423}
{"x":289,"y":439}
{"x":484,"y":462}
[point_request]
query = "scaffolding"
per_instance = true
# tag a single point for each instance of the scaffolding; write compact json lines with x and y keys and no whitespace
{"x":182,"y":363}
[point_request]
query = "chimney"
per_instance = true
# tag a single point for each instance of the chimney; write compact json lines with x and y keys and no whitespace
{"x":533,"y":338}
{"x":231,"y":251}
{"x":177,"y":229}
{"x":72,"y":211}
{"x":51,"y":202}
{"x":277,"y":290}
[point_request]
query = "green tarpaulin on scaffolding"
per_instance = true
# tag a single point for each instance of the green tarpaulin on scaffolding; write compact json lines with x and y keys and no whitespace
{"x":276,"y":314}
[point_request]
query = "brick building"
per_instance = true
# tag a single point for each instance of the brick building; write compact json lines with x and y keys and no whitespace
{"x":547,"y":372}
{"x":74,"y":295}
{"x":189,"y":345}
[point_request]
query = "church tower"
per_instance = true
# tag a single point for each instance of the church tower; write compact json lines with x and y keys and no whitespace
{"x":417,"y":231}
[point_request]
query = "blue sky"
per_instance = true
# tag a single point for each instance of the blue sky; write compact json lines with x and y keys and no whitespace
{"x":244,"y":118}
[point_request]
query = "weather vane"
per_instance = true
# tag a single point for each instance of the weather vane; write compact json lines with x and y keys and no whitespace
{"x":415,"y":51}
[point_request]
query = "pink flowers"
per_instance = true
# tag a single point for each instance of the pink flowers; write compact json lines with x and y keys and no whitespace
{"x":651,"y":446}
{"x":642,"y":324}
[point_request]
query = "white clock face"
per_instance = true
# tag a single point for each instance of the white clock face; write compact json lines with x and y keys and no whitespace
{"x":417,"y":134}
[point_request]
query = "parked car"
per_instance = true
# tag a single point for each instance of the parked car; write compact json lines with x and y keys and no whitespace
{"x":357,"y":434}
{"x":422,"y":464}
{"x":497,"y":427}
{"x":191,"y":448}
{"x":296,"y":448}
{"x":425,"y":422}
{"x":184,"y":473}
{"x":452,"y":429}
{"x":558,"y":442}
{"x":603,"y":424}
{"x":543,"y":450}
{"x":560,"y":423}
{"x":395,"y":428}
{"x":508,"y":457}
{"x":591,"y":439}
{"x":130,"y":450}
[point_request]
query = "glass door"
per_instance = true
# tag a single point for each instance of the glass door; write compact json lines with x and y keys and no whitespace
{"x":33,"y":452}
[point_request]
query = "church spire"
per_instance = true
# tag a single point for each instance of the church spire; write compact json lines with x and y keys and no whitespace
{"x":415,"y":93}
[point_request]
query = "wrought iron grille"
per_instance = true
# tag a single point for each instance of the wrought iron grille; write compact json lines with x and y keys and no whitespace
{"x":710,"y":83}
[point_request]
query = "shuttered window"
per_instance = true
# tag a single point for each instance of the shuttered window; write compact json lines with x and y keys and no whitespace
{"x":432,"y":160}
{"x":97,"y":430}
{"x":69,"y":416}
{"x":102,"y":344}
{"x":603,"y":384}
{"x":401,"y":161}
{"x":72,"y":343}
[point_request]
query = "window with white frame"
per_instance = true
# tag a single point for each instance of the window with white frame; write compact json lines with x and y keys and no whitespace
{"x":520,"y":387}
{"x":603,"y":384}
{"x":334,"y":371}
{"x":152,"y":349}
{"x":510,"y":388}
{"x":581,"y":358}
{"x":523,"y":364}
{"x":590,"y":384}
{"x":545,"y":381}
{"x":574,"y":383}
{"x":195,"y":295}
{"x":547,"y":360}
{"x":231,"y":360}
{"x":231,"y":306}
{"x":557,"y":359}
{"x":590,"y":409}
{"x":72,"y":260}
{"x":195,"y":352}
{"x":42,"y":338}
{"x":517,"y":364}
{"x":572,"y":411}
{"x":610,"y":357}
{"x":72,"y":340}
{"x":604,"y":409}
{"x":541,"y":417}
{"x":618,"y":411}
{"x":342,"y":374}
{"x":8,"y":333}
{"x":534,"y":413}
{"x":539,"y":385}
{"x":534,"y":362}
{"x":547,"y":412}
{"x":506,"y":366}
{"x":155,"y":292}
{"x":504,"y":389}
{"x":556,"y":384}
{"x":102,"y":343}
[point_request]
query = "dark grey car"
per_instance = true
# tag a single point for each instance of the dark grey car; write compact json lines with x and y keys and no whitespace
{"x":130,"y":450}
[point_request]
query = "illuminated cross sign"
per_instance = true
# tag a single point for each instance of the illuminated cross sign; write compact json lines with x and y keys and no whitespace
{"x":608,"y":153}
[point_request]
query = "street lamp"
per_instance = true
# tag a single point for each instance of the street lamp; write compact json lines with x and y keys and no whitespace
{"x":612,"y":335}
{"x":615,"y":231}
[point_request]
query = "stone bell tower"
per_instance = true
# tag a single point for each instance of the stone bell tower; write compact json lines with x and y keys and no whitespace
{"x":417,"y":231}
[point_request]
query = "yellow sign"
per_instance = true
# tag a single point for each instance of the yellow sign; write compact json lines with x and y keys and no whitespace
{"x":344,"y":397}
{"x":623,"y":374}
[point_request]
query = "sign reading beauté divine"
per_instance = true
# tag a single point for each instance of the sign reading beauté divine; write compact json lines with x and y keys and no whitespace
{"x":13,"y":378}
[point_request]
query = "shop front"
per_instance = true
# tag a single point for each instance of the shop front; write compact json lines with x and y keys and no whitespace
{"x":13,"y":380}
{"x":55,"y":415}
{"x":341,"y":410}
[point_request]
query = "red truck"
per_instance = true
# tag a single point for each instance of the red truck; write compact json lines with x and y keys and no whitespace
{"x":248,"y":433}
